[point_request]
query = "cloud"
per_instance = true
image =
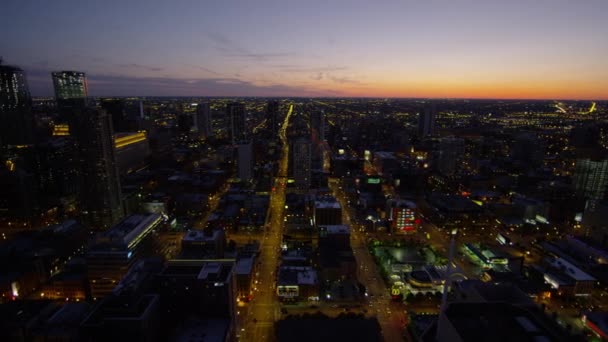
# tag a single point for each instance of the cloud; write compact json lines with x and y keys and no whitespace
{"x":344,"y":80}
{"x":203,"y":69}
{"x":300,"y":69}
{"x":139,"y":66}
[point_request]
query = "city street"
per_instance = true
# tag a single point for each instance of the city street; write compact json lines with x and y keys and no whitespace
{"x":263,"y":310}
{"x":392,"y":321}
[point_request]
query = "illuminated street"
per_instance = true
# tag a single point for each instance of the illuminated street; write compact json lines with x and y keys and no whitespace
{"x":264,"y":310}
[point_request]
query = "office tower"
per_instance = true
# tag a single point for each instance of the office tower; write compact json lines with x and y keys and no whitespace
{"x":317,"y":126}
{"x":70,"y":85}
{"x":591,"y":178}
{"x":245,"y":161}
{"x":426,"y":121}
{"x":16,"y":120}
{"x":272,"y":115}
{"x":100,"y":195}
{"x":236,"y":112}
{"x":301,"y":148}
{"x":202,"y":120}
{"x":451,"y":151}
{"x":114,"y":251}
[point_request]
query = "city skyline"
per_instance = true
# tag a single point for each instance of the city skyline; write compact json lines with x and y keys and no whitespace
{"x":490,"y":49}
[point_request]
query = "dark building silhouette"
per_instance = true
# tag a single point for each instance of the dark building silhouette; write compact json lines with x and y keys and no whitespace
{"x":272,"y":115}
{"x":16,"y":120}
{"x":426,"y":121}
{"x":202,"y":120}
{"x":236,"y":113}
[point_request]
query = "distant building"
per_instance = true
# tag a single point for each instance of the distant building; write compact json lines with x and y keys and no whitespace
{"x":426,"y":121}
{"x":237,"y":121}
{"x":16,"y":120}
{"x":317,"y":125}
{"x":591,"y":178}
{"x":402,"y":216}
{"x":113,"y":252}
{"x":528,"y":149}
{"x":302,"y":159}
{"x":272,"y":116}
{"x":202,"y":120}
{"x":451,"y":151}
{"x":70,"y":85}
{"x":245,"y":161}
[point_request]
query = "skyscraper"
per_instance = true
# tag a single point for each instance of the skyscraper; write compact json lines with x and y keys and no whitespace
{"x":301,"y":148}
{"x":236,"y":112}
{"x":426,"y":121}
{"x":245,"y":161}
{"x":70,"y":85}
{"x":272,"y":115}
{"x":16,"y":120}
{"x":100,"y":195}
{"x":202,"y":120}
{"x":17,"y":179}
{"x":92,"y":131}
{"x":591,"y":178}
{"x":317,"y":125}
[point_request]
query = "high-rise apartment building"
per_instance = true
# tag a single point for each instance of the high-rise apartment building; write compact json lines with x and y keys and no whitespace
{"x":591,"y":178}
{"x":426,"y":121}
{"x":236,"y":113}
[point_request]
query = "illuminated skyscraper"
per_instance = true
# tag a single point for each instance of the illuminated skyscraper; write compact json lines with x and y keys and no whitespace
{"x":591,"y":178}
{"x":426,"y":121}
{"x":70,"y":85}
{"x":236,"y":112}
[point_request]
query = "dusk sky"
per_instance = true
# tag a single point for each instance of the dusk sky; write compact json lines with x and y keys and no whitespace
{"x":433,"y":48}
